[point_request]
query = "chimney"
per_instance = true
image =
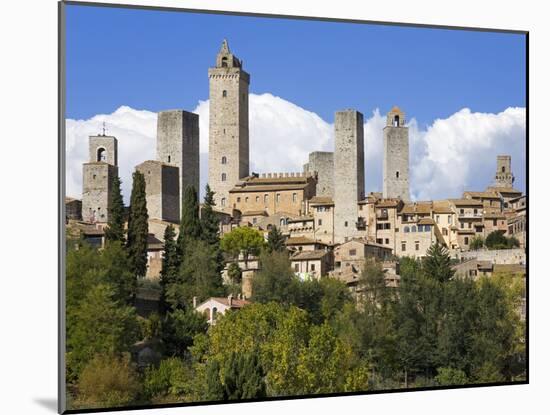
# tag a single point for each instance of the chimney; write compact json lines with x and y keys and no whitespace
{"x":230,"y":299}
{"x":194,"y":302}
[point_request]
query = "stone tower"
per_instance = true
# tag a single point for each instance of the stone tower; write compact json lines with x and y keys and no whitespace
{"x":504,"y":176}
{"x":349,"y":173}
{"x":162,"y":191}
{"x":97,"y":178}
{"x":178,"y":145}
{"x":322,"y":163}
{"x":228,"y":127}
{"x":396,"y":157}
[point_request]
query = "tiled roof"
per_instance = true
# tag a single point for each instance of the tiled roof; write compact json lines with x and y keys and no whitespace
{"x":481,"y":195}
{"x":308,"y":255}
{"x":426,"y":221}
{"x":442,"y":206}
{"x":466,"y":202}
{"x":235,"y":302}
{"x":416,"y":207}
{"x":301,"y":240}
{"x":321,"y":200}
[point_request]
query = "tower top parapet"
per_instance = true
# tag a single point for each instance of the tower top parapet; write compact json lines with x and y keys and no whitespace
{"x":395,"y":118}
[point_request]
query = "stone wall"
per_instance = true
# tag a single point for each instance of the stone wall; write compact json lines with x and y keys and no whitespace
{"x":322,"y":163}
{"x":96,"y":191}
{"x":496,"y":256}
{"x":178,"y":145}
{"x":161,"y":189}
{"x":103,"y":145}
{"x":349,"y":172}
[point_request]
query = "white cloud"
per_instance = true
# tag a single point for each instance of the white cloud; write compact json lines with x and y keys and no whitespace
{"x":449,"y":155}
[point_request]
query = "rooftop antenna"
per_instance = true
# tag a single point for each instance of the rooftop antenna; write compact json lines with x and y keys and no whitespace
{"x":103,"y":128}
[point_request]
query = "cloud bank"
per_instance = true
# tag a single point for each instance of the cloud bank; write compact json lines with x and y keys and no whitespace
{"x":446,"y":157}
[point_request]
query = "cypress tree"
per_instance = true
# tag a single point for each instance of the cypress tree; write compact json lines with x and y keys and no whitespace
{"x":138,"y":227}
{"x":437,"y":263}
{"x":275,"y":240}
{"x":190,"y":227}
{"x":115,"y":229}
{"x":209,"y":221}
{"x":170,"y":264}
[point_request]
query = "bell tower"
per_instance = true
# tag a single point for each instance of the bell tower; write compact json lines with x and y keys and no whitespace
{"x":396,"y":156}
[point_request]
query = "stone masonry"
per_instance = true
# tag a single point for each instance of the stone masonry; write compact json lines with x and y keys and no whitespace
{"x":161,"y":189}
{"x":349,"y":172}
{"x":228,"y":149}
{"x":178,"y":145}
{"x":97,"y":177}
{"x":322,"y":163}
{"x":504,"y":176}
{"x":396,"y":157}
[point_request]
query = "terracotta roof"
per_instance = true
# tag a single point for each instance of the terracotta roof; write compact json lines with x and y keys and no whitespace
{"x":416,"y":207}
{"x":504,"y":190}
{"x":301,"y":240}
{"x":442,"y":206}
{"x":300,"y":219}
{"x":466,"y":202}
{"x":321,"y":200}
{"x":235,"y":302}
{"x":307,"y":255}
{"x":481,"y":195}
{"x":426,"y":221}
{"x":386,"y":203}
{"x":153,"y":243}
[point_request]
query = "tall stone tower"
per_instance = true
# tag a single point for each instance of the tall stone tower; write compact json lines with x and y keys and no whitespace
{"x":349,"y":173}
{"x":162,"y":192}
{"x":396,"y":157}
{"x":178,"y":145}
{"x":228,"y":128}
{"x":97,"y":178}
{"x":504,"y":176}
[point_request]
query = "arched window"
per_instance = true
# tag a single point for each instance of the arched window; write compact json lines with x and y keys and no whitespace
{"x":282,"y":222}
{"x":224,"y":62}
{"x":406,"y":229}
{"x":420,"y":228}
{"x":169,"y":159}
{"x":224,"y":177}
{"x":214,"y":313}
{"x":503,"y":169}
{"x":397,"y":175}
{"x":224,"y":160}
{"x":224,"y":93}
{"x":413,"y":228}
{"x":223,"y":201}
{"x":101,"y":154}
{"x":396,"y":121}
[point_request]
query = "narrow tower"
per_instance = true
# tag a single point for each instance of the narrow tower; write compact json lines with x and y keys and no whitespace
{"x":396,"y":156}
{"x":504,"y":176}
{"x":178,"y":145}
{"x":97,"y":178}
{"x":349,"y":173}
{"x":228,"y":128}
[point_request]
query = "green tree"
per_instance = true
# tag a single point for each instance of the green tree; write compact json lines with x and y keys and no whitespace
{"x":190,"y":226}
{"x":243,"y":240}
{"x":275,"y":240}
{"x":138,"y":228}
{"x":210,"y":224}
{"x":496,"y":240}
{"x":448,"y":376}
{"x":275,"y":281}
{"x":170,"y":265}
{"x":243,"y":377}
{"x":437,"y":263}
{"x":169,"y":382}
{"x":213,"y":388}
{"x":477,"y":243}
{"x":234,"y":273}
{"x":98,"y":325}
{"x":108,"y":381}
{"x":179,"y":328}
{"x":115,"y":228}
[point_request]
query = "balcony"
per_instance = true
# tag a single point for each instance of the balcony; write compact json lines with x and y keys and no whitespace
{"x":470,"y":215}
{"x":361,"y":224}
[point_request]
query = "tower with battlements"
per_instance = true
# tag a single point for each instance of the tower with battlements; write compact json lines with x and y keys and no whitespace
{"x":396,"y":157}
{"x":504,"y":176}
{"x":97,"y":178}
{"x":349,"y":173}
{"x":228,"y":148}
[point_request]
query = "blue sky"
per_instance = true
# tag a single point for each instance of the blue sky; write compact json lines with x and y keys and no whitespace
{"x":157,"y":60}
{"x":154,"y":60}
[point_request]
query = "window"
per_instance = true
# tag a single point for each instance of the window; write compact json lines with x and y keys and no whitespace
{"x":417,"y":246}
{"x":224,"y":93}
{"x":475,"y":211}
{"x":169,"y":158}
{"x":352,"y":252}
{"x":346,"y":224}
{"x":420,"y":228}
{"x":266,"y":199}
{"x":246,"y":199}
{"x":254,"y":220}
{"x":461,"y":225}
{"x":406,"y":229}
{"x":238,"y":200}
{"x":387,"y":225}
{"x":448,"y":218}
{"x":296,"y":267}
{"x":403,"y":246}
{"x":214,"y":313}
{"x":101,"y":154}
{"x":397,"y":175}
{"x":293,"y":197}
{"x":445,"y":232}
{"x":312,"y":267}
{"x":387,"y":241}
{"x":503,"y":169}
{"x":380,"y":241}
{"x":278,"y":197}
{"x":223,"y":201}
{"x":466,"y":240}
{"x":257,"y":199}
{"x":494,"y":222}
{"x":224,"y":177}
{"x":462,"y":211}
{"x":437,"y":218}
{"x":282,"y":222}
{"x":94,"y":176}
{"x":413,"y":228}
{"x":319,"y":222}
{"x":224,"y":160}
{"x":396,"y":121}
{"x":224,"y":62}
